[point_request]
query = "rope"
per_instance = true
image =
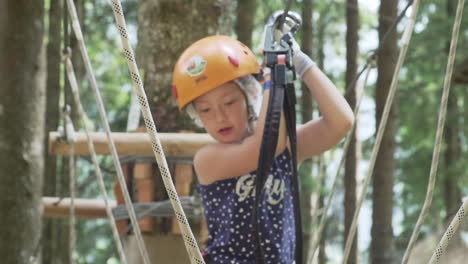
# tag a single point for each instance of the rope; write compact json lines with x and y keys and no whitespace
{"x":83,"y":118}
{"x":187,"y":235}
{"x":453,"y":227}
{"x":160,"y":209}
{"x":318,"y":235}
{"x":388,"y":104}
{"x":317,"y":211}
{"x":440,"y":131}
{"x":70,"y":138}
{"x":102,"y":113}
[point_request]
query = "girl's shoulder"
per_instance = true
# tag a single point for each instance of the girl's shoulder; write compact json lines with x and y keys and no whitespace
{"x":203,"y":162}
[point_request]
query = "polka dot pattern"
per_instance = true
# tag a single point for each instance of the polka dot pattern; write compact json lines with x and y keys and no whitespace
{"x":228,"y":206}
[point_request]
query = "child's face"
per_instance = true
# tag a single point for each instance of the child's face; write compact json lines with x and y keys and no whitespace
{"x":223,"y":112}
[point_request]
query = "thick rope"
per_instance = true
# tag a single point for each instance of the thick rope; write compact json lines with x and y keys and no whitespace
{"x":383,"y":123}
{"x":318,"y":233}
{"x":102,"y":187}
{"x":112,"y":148}
{"x":317,"y":211}
{"x":451,"y":230}
{"x":187,"y":235}
{"x":70,"y":138}
{"x":440,"y":131}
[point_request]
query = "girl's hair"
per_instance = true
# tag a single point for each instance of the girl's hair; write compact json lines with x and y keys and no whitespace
{"x":251,"y":89}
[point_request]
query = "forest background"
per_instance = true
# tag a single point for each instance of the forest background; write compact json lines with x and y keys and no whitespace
{"x":339,"y":35}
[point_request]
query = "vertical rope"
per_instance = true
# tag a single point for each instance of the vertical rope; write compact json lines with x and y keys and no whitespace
{"x":113,"y":150}
{"x":318,"y":234}
{"x":383,"y":123}
{"x":451,"y":230}
{"x":137,"y":84}
{"x":440,"y":131}
{"x":70,"y":137}
{"x":102,"y":187}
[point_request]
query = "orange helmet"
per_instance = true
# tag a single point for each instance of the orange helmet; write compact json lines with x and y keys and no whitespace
{"x":209,"y":63}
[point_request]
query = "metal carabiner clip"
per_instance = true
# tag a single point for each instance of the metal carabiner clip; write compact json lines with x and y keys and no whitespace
{"x":278,"y":27}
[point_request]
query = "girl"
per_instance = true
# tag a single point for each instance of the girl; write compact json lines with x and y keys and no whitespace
{"x":213,"y":83}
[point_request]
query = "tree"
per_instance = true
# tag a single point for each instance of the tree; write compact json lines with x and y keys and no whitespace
{"x":351,"y":164}
{"x":50,"y":232}
{"x":21,"y":128}
{"x":245,"y":20}
{"x":382,"y":245}
{"x":185,"y":22}
{"x":306,"y":115}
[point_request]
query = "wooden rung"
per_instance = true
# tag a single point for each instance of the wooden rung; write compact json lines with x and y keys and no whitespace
{"x":132,"y":144}
{"x":84,"y":208}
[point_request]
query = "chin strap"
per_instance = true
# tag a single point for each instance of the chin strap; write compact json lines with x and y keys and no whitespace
{"x":278,"y":57}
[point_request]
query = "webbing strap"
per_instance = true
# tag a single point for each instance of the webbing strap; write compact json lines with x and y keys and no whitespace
{"x":267,"y":153}
{"x":290,"y":115}
{"x":282,"y":98}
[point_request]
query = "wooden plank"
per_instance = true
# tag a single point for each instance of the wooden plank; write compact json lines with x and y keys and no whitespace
{"x":183,"y":180}
{"x":84,"y":208}
{"x":122,"y":224}
{"x":132,"y":144}
{"x":146,"y":195}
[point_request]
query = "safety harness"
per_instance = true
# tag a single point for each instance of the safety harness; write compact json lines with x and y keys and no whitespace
{"x":278,"y":55}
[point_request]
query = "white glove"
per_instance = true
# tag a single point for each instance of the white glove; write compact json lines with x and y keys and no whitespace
{"x":301,"y":61}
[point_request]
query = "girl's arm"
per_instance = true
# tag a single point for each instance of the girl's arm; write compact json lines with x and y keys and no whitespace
{"x":223,"y":161}
{"x":319,"y":135}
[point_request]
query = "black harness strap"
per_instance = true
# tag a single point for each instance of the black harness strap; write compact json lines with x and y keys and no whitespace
{"x":282,"y":98}
{"x":290,"y":115}
{"x":267,"y":150}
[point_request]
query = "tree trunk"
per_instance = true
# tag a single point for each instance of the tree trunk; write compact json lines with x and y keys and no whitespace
{"x":322,"y":254}
{"x":306,"y":115}
{"x":321,"y":29}
{"x":452,"y":193}
{"x":22,"y":128}
{"x":50,"y":245}
{"x":166,"y":28}
{"x":245,"y":20}
{"x":351,"y":164}
{"x":382,"y":244}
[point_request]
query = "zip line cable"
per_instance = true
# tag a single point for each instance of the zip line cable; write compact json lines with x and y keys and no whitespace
{"x":137,"y":84}
{"x":386,"y":112}
{"x":102,"y":187}
{"x":440,"y":132}
{"x":112,"y":148}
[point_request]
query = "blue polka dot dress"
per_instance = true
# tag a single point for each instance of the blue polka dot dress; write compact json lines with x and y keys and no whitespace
{"x":228,"y":206}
